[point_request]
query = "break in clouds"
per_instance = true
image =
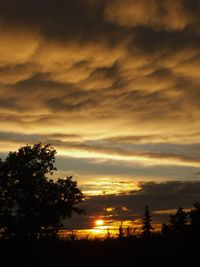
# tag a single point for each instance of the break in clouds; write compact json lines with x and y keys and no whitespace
{"x":104,"y":81}
{"x":163,"y":199}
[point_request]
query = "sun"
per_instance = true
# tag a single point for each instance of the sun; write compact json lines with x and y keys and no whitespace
{"x":99,"y":222}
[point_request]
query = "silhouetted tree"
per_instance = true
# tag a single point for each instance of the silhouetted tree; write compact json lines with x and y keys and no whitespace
{"x":178,"y":221}
{"x":147,"y":227}
{"x":31,"y":204}
{"x":130,"y":231}
{"x":121,"y":232}
{"x":195,"y":218}
{"x":166,"y":230}
{"x":108,"y":234}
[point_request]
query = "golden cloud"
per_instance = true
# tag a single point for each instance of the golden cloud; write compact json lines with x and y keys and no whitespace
{"x":17,"y":45}
{"x":102,"y":70}
{"x":169,"y":15}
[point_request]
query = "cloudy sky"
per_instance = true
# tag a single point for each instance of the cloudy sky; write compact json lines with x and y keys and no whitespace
{"x":113,"y":85}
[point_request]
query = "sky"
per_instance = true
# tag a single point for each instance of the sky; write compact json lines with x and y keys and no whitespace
{"x":114,"y":86}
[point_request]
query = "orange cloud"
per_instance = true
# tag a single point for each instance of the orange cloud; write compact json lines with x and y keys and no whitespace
{"x":157,"y":14}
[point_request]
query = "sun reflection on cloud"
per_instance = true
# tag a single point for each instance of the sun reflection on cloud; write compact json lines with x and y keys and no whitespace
{"x":109,"y":209}
{"x":109,"y":186}
{"x":124,"y":208}
{"x":101,"y":153}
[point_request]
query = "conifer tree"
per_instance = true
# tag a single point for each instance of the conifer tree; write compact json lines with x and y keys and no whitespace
{"x":147,"y":227}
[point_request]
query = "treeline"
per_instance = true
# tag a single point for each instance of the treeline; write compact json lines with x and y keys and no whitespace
{"x":181,"y":223}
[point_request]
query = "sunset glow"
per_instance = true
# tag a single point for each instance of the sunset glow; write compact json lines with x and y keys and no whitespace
{"x":99,"y":222}
{"x":114,"y":87}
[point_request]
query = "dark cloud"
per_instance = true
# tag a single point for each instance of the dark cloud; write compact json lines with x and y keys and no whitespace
{"x":149,"y":139}
{"x":173,"y":154}
{"x":151,"y":41}
{"x":160,"y":197}
{"x":61,"y":19}
{"x":115,"y":84}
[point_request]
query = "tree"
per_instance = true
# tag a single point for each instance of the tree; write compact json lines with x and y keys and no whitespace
{"x":147,"y":227}
{"x":178,"y":221}
{"x":130,"y":232}
{"x":195,"y":217}
{"x":121,"y":231}
{"x":32,"y":204}
{"x":166,"y":230}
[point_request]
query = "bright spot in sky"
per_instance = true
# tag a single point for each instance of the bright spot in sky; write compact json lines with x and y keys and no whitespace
{"x":110,"y":209}
{"x":99,"y":222}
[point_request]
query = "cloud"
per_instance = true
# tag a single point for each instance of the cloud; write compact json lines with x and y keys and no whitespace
{"x":162,"y":198}
{"x":162,"y":154}
{"x":117,"y":80}
{"x":17,"y":46}
{"x":167,"y":15}
{"x":155,"y":139}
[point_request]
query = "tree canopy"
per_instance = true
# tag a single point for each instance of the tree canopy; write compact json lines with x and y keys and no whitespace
{"x":178,"y":221}
{"x":32,"y":204}
{"x":195,"y":216}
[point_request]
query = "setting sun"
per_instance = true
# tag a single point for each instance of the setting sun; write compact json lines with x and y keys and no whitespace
{"x":99,"y":222}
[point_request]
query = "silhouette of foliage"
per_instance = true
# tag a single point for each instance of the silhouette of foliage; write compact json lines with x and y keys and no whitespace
{"x":178,"y":221}
{"x":195,"y":217}
{"x":121,"y":232}
{"x":178,"y":250}
{"x":147,"y":227}
{"x":130,"y":231}
{"x":108,"y":234}
{"x":31,"y":204}
{"x":166,"y":230}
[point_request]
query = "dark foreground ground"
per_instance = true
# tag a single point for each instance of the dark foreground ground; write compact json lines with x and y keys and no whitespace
{"x":112,"y":252}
